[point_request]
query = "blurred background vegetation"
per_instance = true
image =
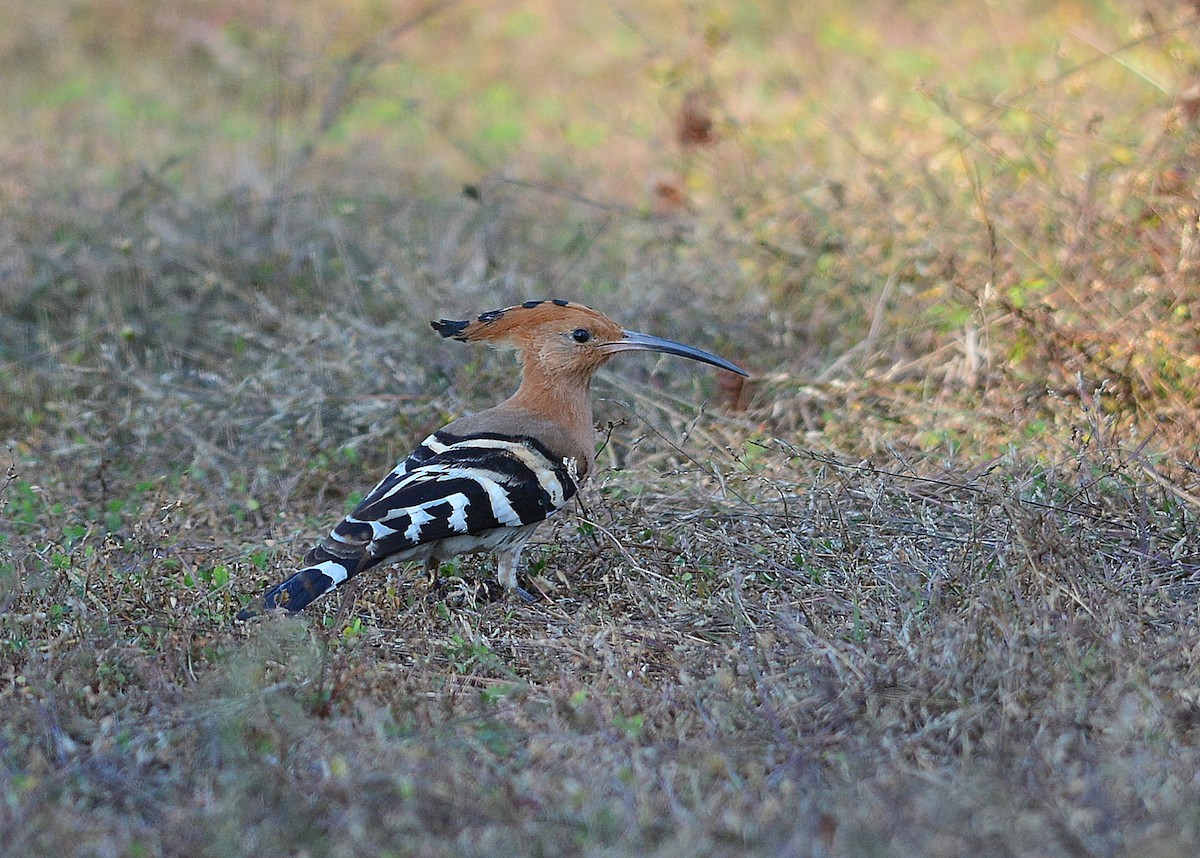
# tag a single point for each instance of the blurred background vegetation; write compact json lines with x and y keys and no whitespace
{"x":1007,"y":187}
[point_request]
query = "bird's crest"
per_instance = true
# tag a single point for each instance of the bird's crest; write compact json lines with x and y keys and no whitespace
{"x":514,"y":326}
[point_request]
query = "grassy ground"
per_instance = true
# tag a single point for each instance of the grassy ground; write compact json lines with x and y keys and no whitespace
{"x":927,"y":585}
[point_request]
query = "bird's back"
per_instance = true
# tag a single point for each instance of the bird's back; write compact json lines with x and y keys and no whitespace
{"x":455,"y":485}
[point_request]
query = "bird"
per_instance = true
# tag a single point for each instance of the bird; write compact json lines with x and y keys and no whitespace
{"x":484,"y":482}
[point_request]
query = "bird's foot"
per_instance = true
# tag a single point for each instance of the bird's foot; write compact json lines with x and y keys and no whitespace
{"x":524,"y":595}
{"x":463,"y":591}
{"x":468,"y":592}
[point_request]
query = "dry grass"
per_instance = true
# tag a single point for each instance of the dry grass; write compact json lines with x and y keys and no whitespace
{"x":927,"y":586}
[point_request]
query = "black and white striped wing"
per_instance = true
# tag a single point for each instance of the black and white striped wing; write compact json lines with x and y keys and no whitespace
{"x":451,"y":486}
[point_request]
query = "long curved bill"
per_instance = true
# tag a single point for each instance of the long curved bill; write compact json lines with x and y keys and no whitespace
{"x":635,"y":342}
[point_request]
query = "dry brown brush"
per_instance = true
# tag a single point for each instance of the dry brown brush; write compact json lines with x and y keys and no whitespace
{"x":926,"y":585}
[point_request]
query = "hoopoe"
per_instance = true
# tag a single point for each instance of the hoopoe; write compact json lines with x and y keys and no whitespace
{"x":486,"y":481}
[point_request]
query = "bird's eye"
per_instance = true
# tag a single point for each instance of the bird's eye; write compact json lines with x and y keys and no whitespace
{"x":581,"y":335}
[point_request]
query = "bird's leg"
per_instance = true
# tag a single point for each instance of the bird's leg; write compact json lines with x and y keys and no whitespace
{"x":345,"y":602}
{"x":506,"y":572}
{"x":469,"y":591}
{"x":432,"y":567}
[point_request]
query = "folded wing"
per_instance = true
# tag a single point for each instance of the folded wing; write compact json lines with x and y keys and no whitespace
{"x":451,"y":496}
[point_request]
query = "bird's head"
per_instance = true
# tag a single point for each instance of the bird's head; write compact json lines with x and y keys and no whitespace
{"x":565,"y":339}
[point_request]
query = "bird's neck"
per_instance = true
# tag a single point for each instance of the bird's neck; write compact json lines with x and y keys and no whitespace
{"x":564,"y":400}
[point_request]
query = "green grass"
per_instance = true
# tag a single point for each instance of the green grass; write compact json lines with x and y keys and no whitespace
{"x":926,"y":585}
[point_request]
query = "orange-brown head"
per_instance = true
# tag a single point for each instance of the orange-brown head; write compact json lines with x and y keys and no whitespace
{"x":563,"y":339}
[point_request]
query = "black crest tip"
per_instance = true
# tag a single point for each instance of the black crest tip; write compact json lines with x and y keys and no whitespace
{"x":450,"y":328}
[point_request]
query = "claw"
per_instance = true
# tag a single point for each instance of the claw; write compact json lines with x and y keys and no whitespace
{"x":524,"y":595}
